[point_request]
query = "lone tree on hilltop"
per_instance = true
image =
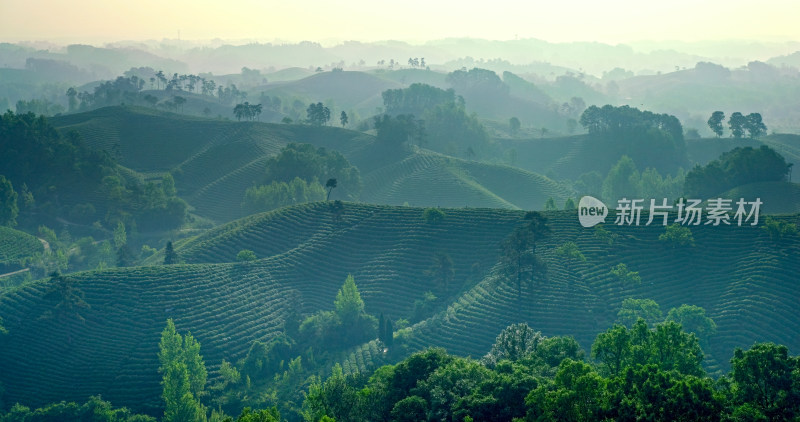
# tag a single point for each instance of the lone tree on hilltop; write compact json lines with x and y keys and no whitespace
{"x":330,"y":185}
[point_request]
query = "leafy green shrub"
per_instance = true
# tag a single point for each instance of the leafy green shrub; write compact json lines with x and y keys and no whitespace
{"x":433,"y":215}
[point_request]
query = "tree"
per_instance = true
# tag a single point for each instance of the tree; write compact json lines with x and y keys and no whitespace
{"x":330,"y":185}
{"x":677,"y":235}
{"x":715,"y":122}
{"x":778,"y":229}
{"x":754,"y":126}
{"x":442,"y":270}
{"x":763,"y":378}
{"x":318,"y":114}
{"x":433,"y":215}
{"x":570,"y":253}
{"x":622,"y":180}
{"x":179,"y":102}
{"x":8,"y":203}
{"x":737,"y":124}
{"x":246,"y":255}
{"x":513,"y":125}
{"x":170,"y":256}
{"x":69,"y":302}
{"x":151,"y":99}
{"x":633,"y":309}
{"x":348,"y":302}
{"x":343,"y":118}
{"x":184,"y":376}
{"x":625,"y":276}
{"x":513,"y":343}
{"x":693,"y":319}
{"x":72,"y":100}
{"x":550,"y":205}
{"x":519,"y":258}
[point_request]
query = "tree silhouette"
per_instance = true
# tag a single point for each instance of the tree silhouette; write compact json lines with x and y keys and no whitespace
{"x":170,"y":256}
{"x":69,"y":302}
{"x":330,"y":185}
{"x":519,"y":251}
{"x":343,"y":118}
{"x":715,"y":122}
{"x":736,"y":123}
{"x":442,"y":270}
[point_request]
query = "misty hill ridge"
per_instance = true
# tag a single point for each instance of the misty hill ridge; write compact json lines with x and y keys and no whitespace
{"x":215,"y":161}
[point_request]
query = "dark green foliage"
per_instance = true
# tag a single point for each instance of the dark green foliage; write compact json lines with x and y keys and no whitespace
{"x":346,"y":325}
{"x":8,"y":203}
{"x":779,"y":230}
{"x":399,"y":131}
{"x":677,"y":236}
{"x":693,"y":319}
{"x":624,"y":276}
{"x":410,"y":409}
{"x":519,"y":259}
{"x":312,"y":164}
{"x":737,"y":123}
{"x":170,"y":256}
{"x":449,"y":129}
{"x":184,"y":376}
{"x":264,"y":415}
{"x":433,"y":215}
{"x":715,"y":122}
{"x":246,"y":255}
{"x":415,"y":99}
{"x":330,"y":185}
{"x":281,"y":194}
{"x":94,"y":410}
{"x":318,"y":114}
{"x":652,"y":140}
{"x":665,"y":346}
{"x":265,"y":360}
{"x":633,"y":309}
{"x":68,"y":298}
{"x":755,"y":126}
{"x":739,"y":166}
{"x":246,"y":111}
{"x":442,"y":270}
{"x":61,"y":169}
{"x":513,"y":343}
{"x":767,"y":379}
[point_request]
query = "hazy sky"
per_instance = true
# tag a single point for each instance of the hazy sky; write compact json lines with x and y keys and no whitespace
{"x":609,"y":21}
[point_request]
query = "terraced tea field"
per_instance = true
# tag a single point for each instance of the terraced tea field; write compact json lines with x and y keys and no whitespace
{"x":747,"y":282}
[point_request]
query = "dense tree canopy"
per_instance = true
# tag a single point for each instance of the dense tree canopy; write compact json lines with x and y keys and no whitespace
{"x":739,"y":166}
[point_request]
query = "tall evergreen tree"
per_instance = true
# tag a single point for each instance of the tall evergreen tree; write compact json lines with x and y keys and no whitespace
{"x":170,"y":256}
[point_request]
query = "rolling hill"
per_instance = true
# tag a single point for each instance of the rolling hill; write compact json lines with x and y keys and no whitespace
{"x":746,"y":281}
{"x":215,"y":161}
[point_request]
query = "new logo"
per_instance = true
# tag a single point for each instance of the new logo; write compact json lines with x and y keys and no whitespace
{"x":591,"y":211}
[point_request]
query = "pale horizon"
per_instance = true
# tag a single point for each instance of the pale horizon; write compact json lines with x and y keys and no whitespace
{"x":613,"y":22}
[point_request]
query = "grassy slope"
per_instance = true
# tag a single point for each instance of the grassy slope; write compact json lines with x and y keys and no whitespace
{"x":214,"y":162}
{"x":16,"y":245}
{"x":747,"y":283}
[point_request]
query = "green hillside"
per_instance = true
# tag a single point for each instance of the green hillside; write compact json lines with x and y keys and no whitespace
{"x":215,"y":161}
{"x":15,"y":246}
{"x":349,"y":90}
{"x":746,"y":281}
{"x":778,"y":197}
